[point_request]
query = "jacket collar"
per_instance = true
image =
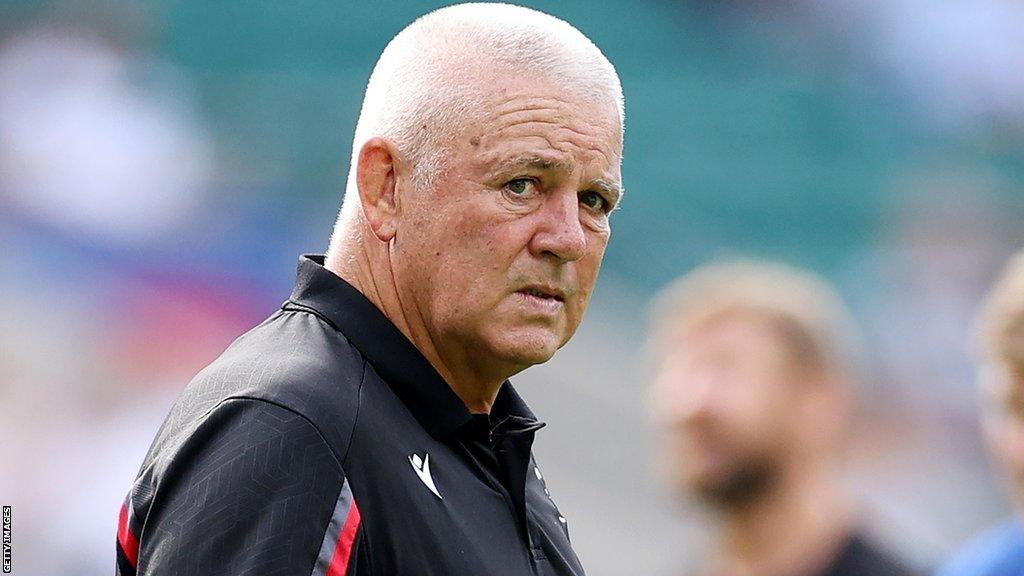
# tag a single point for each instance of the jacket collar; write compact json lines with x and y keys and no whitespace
{"x":411,"y":377}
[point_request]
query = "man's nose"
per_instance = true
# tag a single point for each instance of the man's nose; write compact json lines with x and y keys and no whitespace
{"x":560,"y":231}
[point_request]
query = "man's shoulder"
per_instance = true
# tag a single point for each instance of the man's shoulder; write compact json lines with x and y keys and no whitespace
{"x":255,"y":445}
{"x":998,"y":551}
{"x":293,"y":360}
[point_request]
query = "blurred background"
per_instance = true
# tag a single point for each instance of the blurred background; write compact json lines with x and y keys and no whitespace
{"x":163,"y":163}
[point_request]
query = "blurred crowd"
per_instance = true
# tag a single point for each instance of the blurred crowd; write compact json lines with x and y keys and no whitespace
{"x":163,"y":163}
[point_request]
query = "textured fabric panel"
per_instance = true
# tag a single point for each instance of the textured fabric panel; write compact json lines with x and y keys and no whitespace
{"x":250,"y":491}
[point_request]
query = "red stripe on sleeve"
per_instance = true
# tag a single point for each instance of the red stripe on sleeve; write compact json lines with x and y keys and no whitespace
{"x":129,"y":544}
{"x":343,"y":551}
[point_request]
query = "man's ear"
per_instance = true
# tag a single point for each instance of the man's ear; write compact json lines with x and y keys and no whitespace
{"x":376,"y":178}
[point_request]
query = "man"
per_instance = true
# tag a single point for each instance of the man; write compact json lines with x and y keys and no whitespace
{"x":752,"y":392}
{"x":368,"y":427}
{"x":1000,"y":552}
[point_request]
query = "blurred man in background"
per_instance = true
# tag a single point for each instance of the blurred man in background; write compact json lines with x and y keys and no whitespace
{"x":753,"y":392}
{"x":368,"y":427}
{"x":1000,"y":552}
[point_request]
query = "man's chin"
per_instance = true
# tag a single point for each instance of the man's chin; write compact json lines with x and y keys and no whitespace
{"x":527,"y":347}
{"x":529,"y":356}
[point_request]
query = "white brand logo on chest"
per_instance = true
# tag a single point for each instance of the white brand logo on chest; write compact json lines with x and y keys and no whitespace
{"x":422,"y":468}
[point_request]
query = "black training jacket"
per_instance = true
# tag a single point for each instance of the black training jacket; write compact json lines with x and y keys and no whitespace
{"x":323,"y":443}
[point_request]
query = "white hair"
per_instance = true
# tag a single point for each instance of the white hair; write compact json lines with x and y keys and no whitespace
{"x":426,"y":84}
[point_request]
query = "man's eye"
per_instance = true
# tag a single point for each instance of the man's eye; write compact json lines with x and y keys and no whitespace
{"x":521,"y":186}
{"x":594,"y":201}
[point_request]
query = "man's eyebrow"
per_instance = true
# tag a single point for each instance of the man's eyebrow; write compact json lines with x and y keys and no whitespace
{"x":609,"y":187}
{"x":535,"y":162}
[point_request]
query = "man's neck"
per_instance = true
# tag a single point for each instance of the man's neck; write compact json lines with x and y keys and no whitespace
{"x":369,"y":270}
{"x":795,"y":530}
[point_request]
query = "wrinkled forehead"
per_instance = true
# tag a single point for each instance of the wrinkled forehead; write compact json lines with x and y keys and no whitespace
{"x":524,"y":116}
{"x":597,"y":102}
{"x":491,"y":85}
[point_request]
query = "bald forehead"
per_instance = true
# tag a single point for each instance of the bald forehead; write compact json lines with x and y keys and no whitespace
{"x":531,"y":123}
{"x":498,"y":91}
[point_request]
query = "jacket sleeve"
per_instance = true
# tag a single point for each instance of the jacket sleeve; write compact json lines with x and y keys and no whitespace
{"x":252,"y":489}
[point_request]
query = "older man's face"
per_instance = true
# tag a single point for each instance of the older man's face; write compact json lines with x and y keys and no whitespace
{"x":499,"y":256}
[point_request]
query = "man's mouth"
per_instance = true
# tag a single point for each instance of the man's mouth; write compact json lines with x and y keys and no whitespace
{"x":544,"y":292}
